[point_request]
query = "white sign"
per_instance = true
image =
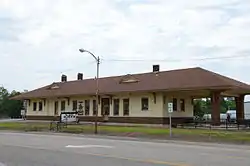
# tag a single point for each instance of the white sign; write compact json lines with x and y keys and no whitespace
{"x":22,"y":112}
{"x":69,"y":117}
{"x":170,"y":107}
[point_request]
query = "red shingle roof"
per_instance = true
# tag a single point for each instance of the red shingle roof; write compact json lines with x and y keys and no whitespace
{"x":182,"y":79}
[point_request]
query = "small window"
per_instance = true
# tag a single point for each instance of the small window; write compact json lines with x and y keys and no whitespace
{"x":63,"y":105}
{"x":94,"y":107}
{"x":86,"y":107}
{"x":74,"y":102}
{"x":174,"y":104}
{"x":125,"y":106}
{"x":116,"y":107}
{"x":182,"y":103}
{"x":34,"y":106}
{"x":144,"y":104}
{"x":40,"y":106}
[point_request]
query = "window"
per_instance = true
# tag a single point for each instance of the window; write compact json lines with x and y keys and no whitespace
{"x":94,"y":107}
{"x":86,"y":107}
{"x":34,"y":106}
{"x":40,"y":106}
{"x":182,"y":103}
{"x":63,"y":105}
{"x":74,"y":105}
{"x":116,"y":107}
{"x":125,"y":106}
{"x":174,"y":104}
{"x":56,"y":108}
{"x":144,"y":104}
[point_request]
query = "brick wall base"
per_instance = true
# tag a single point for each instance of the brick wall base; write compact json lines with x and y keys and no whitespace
{"x":136,"y":120}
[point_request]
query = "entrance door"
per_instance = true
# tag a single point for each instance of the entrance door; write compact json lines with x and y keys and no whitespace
{"x":105,"y":106}
{"x":56,"y":108}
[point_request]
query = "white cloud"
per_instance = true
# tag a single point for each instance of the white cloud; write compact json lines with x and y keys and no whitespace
{"x":49,"y":33}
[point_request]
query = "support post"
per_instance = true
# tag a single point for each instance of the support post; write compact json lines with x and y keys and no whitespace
{"x":215,"y":101}
{"x":239,"y":101}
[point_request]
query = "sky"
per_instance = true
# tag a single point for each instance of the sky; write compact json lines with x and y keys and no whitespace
{"x":39,"y":40}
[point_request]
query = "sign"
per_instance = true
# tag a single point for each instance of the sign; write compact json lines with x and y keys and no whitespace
{"x":68,"y":117}
{"x":22,"y":112}
{"x":170,"y":110}
{"x":25,"y":103}
{"x":170,"y":107}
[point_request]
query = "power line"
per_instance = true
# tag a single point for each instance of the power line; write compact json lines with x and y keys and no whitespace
{"x":175,"y":60}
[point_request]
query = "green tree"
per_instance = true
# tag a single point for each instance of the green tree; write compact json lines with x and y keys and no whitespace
{"x":203,"y":106}
{"x":199,"y":108}
{"x":9,"y":108}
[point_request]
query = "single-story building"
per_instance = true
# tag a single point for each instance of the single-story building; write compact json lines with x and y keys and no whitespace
{"x":135,"y":98}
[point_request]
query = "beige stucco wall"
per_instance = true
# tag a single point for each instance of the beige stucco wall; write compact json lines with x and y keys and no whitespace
{"x":188,"y":105}
{"x":158,"y":109}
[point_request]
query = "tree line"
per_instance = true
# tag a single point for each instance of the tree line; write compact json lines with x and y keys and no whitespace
{"x":9,"y":108}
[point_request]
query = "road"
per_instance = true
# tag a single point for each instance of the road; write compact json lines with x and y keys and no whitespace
{"x":33,"y":149}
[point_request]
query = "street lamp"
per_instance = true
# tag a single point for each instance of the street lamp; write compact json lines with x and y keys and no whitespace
{"x":97,"y":83}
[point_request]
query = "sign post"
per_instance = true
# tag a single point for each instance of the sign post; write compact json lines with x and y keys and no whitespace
{"x":170,"y":110}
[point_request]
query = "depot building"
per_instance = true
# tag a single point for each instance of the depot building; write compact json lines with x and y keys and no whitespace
{"x":135,"y":98}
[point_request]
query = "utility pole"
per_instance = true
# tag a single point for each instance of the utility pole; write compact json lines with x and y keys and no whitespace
{"x":97,"y":58}
{"x":97,"y":92}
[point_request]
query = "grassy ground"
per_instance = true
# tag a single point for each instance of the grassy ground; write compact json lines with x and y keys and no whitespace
{"x":152,"y":132}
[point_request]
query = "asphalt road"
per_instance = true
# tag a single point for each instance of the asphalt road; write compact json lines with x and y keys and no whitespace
{"x":23,"y":149}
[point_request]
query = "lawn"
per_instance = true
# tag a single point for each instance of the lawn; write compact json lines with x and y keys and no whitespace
{"x":160,"y":133}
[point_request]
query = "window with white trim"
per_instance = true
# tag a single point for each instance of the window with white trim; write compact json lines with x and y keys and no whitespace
{"x":86,"y":104}
{"x":40,"y":106}
{"x":63,"y":103}
{"x":125,"y":106}
{"x":174,"y":104}
{"x":116,"y":107}
{"x":144,"y":104}
{"x":182,"y":104}
{"x":34,"y":106}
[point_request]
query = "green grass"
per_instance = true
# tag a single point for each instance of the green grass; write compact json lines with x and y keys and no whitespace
{"x":190,"y":134}
{"x":24,"y":126}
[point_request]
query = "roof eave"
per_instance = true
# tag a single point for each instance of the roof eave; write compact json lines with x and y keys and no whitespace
{"x":24,"y":97}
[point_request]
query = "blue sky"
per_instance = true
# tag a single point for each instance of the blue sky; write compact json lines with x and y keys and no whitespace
{"x":39,"y":40}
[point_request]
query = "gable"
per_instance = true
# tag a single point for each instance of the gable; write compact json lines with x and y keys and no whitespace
{"x":54,"y":86}
{"x":128,"y":79}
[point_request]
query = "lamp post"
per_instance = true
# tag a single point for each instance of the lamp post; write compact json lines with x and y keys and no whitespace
{"x":97,"y":83}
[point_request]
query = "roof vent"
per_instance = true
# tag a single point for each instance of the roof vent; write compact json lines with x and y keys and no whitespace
{"x":79,"y":76}
{"x":64,"y":78}
{"x":156,"y":68}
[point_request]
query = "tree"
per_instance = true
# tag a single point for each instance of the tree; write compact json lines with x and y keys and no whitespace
{"x":199,"y":108}
{"x":203,"y":106}
{"x":9,"y":108}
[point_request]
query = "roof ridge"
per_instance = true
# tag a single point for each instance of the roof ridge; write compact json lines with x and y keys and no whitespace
{"x":135,"y":74}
